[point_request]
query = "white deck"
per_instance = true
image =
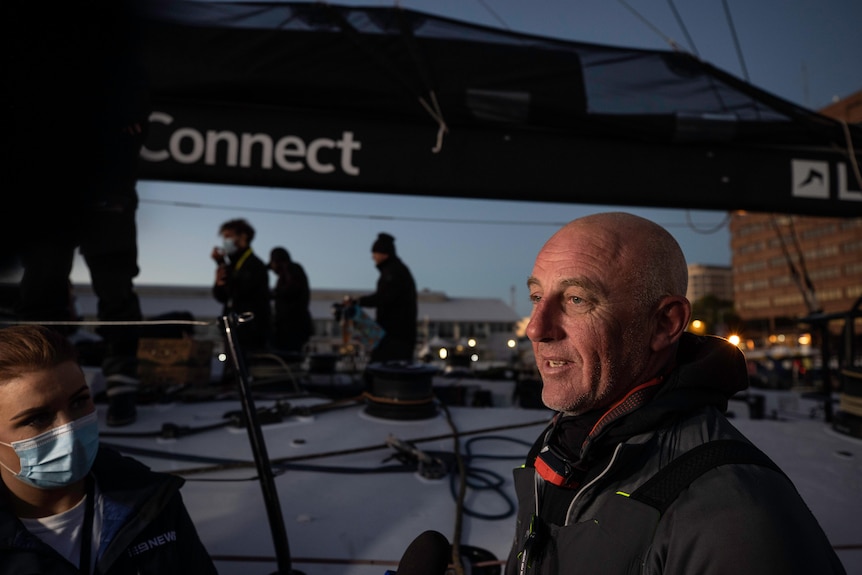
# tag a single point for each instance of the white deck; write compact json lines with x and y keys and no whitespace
{"x":361,"y":523}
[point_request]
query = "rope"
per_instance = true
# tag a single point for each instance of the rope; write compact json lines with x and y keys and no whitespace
{"x":437,"y":114}
{"x":102,"y":322}
{"x":396,"y":401}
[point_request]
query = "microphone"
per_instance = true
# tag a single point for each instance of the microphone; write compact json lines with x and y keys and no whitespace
{"x":428,"y":554}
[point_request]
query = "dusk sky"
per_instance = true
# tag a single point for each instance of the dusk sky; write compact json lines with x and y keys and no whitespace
{"x":806,"y":51}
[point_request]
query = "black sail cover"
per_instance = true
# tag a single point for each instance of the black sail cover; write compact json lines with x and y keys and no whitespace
{"x":390,"y":100}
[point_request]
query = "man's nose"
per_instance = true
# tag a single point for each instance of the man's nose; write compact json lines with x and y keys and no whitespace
{"x":544,"y":323}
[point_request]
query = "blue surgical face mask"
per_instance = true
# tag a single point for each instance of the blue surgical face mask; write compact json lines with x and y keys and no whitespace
{"x":60,"y":456}
{"x":229,"y":246}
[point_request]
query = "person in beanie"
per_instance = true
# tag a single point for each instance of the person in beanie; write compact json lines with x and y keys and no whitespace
{"x":395,"y":300}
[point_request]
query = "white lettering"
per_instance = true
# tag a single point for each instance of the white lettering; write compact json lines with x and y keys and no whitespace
{"x":175,"y":145}
{"x":161,"y":155}
{"x":291,"y":153}
{"x":844,"y":193}
{"x":313,"y":161}
{"x":156,"y":541}
{"x":213,"y":139}
{"x":292,"y":147}
{"x":347,"y":146}
{"x":249,"y":140}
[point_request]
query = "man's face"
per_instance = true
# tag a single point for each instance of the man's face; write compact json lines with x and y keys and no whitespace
{"x":379,"y":257}
{"x":590,"y":341}
{"x":239,"y":240}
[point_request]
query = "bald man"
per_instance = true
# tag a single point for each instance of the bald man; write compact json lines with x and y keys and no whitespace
{"x":640,"y":471}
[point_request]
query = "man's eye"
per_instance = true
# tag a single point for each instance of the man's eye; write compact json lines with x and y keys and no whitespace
{"x":535,"y":298}
{"x":575,"y":299}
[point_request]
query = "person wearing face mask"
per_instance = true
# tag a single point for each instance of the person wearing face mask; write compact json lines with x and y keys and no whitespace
{"x":242,"y":284}
{"x":67,"y":505}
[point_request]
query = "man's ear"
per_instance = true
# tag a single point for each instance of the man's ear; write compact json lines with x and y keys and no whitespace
{"x":671,"y":319}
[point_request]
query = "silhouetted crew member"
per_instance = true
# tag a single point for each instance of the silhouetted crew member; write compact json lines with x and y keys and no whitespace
{"x":395,"y":300}
{"x":292,"y":325}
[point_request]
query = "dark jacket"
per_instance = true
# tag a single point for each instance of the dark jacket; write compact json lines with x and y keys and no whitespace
{"x":292,"y":322}
{"x":735,"y":518}
{"x":146,"y":529}
{"x":395,"y":300}
{"x":247,"y":290}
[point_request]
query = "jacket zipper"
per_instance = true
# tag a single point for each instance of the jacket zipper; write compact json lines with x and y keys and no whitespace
{"x":596,"y":478}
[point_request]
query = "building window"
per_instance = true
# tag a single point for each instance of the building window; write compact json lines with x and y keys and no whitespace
{"x":749,"y":229}
{"x":751,"y":248}
{"x":825,"y":273}
{"x":822,"y":252}
{"x":785,"y":300}
{"x":752,"y":267}
{"x":819,"y":232}
{"x":830,"y":294}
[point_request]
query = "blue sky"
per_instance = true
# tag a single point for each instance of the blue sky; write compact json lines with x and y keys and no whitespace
{"x":806,"y":51}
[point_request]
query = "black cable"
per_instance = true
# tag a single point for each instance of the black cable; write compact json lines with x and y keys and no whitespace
{"x":706,"y":231}
{"x":480,"y":479}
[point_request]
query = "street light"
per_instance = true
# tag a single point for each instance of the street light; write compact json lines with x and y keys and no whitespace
{"x":698,"y":327}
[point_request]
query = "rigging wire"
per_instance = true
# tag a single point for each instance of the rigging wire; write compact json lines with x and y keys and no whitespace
{"x":306,"y":213}
{"x":806,"y":286}
{"x":652,"y":27}
{"x":815,"y":307}
{"x":681,"y":24}
{"x":496,"y":16}
{"x":735,"y":40}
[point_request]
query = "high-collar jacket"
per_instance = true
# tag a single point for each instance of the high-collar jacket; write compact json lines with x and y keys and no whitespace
{"x":146,"y":529}
{"x":735,"y":518}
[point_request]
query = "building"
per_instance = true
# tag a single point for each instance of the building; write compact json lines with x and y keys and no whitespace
{"x":708,"y":280}
{"x":848,"y":109}
{"x":787,"y":266}
{"x":443,"y":320}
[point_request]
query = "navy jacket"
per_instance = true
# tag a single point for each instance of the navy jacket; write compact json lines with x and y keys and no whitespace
{"x":146,"y":529}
